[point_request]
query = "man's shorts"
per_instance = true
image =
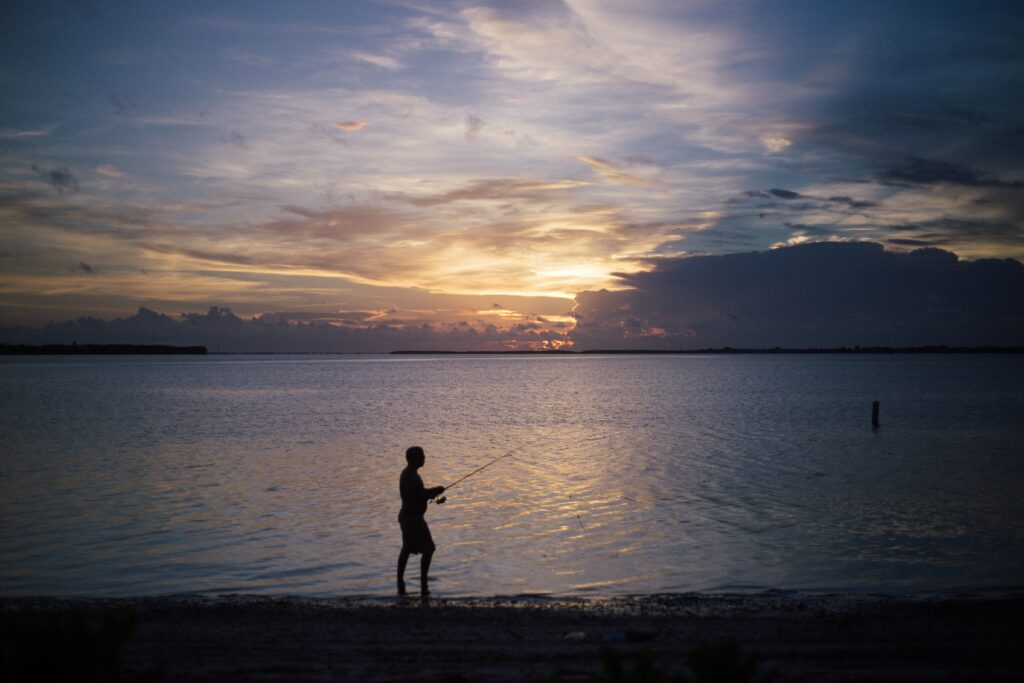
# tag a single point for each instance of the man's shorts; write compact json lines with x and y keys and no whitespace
{"x":416,"y":536}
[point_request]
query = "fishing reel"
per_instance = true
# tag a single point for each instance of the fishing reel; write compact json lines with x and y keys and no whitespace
{"x":441,"y":500}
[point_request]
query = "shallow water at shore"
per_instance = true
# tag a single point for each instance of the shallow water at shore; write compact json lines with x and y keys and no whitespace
{"x":278,"y":474}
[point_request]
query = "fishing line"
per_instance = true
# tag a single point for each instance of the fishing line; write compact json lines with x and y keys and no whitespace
{"x":484,"y":467}
{"x":507,"y":454}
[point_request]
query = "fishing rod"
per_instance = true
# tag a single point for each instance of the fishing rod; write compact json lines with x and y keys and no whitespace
{"x":442,"y":499}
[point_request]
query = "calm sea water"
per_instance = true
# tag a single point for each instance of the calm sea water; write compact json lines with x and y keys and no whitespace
{"x":279,"y":474}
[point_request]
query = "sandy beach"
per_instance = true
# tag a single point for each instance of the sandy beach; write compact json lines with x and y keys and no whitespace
{"x":800,"y":637}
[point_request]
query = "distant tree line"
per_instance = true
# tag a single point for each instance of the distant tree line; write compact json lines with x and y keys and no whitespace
{"x":99,"y":350}
{"x":725,"y":350}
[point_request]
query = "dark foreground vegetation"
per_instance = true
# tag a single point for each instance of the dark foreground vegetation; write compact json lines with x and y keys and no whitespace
{"x":668,"y":638}
{"x":99,"y":350}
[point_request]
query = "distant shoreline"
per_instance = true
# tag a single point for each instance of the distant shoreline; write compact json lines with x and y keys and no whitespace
{"x":727,"y":350}
{"x":161,"y":349}
{"x":100,"y":350}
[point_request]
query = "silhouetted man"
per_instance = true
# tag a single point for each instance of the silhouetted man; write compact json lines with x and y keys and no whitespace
{"x":416,"y":538}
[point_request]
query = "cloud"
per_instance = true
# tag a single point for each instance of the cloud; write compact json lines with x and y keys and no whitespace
{"x":849,"y":121}
{"x":350,"y":126}
{"x":575,"y":44}
{"x":918,"y":171}
{"x":812,"y":295}
{"x":497,"y":189}
{"x":235,"y":139}
{"x":355,"y":318}
{"x":981,"y":219}
{"x":78,"y":217}
{"x":944,"y":232}
{"x":775,"y":143}
{"x":348,"y":332}
{"x":813,"y":201}
{"x":852,"y":203}
{"x":23,"y":134}
{"x":500,"y":237}
{"x":611,"y":171}
{"x":61,"y":179}
{"x":247,"y":58}
{"x":381,"y":61}
{"x":109,"y":171}
{"x":907,"y":242}
{"x":474,"y":124}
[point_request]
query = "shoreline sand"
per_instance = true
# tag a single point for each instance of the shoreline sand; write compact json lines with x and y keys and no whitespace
{"x":839,"y":637}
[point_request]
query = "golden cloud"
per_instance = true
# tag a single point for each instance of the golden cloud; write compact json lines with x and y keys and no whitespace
{"x":350,"y":126}
{"x":611,"y":171}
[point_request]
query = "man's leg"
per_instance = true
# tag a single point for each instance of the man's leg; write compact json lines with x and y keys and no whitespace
{"x":424,"y":569}
{"x":403,"y":559}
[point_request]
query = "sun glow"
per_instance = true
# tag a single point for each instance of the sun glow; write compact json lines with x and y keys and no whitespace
{"x":582,"y":273}
{"x":435,"y":159}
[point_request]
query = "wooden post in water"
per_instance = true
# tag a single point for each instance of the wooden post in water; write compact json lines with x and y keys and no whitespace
{"x":874,"y":414}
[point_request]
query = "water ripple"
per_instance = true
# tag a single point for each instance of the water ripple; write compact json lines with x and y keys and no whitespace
{"x":632,"y":474}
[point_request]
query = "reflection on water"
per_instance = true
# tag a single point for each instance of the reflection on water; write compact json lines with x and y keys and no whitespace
{"x":634,"y":474}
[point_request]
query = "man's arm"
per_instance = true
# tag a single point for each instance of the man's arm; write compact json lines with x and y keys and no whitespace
{"x":420,"y":491}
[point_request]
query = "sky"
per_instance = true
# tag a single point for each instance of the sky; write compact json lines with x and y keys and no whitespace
{"x":366,"y":176}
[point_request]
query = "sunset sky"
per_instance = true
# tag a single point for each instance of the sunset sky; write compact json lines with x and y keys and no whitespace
{"x":473,"y":172}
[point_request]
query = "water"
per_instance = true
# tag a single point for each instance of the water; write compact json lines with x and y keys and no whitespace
{"x":279,"y":474}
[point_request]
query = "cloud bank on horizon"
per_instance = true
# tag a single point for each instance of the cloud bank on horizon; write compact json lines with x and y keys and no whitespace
{"x":478,"y":172}
{"x":820,"y":295}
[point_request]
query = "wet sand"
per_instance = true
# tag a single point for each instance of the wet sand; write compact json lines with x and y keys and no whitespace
{"x":802,"y":637}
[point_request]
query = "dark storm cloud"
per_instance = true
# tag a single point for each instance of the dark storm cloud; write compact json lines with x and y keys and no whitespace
{"x":907,"y":242}
{"x":929,"y":108}
{"x":946,"y":231}
{"x":919,"y":171}
{"x":61,"y":179}
{"x":898,"y":122}
{"x":750,"y":218}
{"x":852,"y":203}
{"x":814,"y":295}
{"x":958,"y":208}
{"x":787,"y":195}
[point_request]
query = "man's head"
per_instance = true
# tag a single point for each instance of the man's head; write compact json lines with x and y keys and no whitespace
{"x":414,"y":456}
